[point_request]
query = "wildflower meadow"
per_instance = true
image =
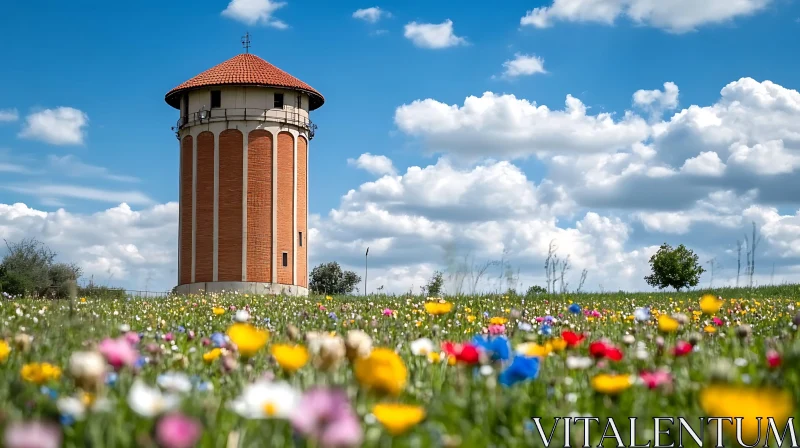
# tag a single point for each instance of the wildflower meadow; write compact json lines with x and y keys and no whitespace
{"x":236,"y":370}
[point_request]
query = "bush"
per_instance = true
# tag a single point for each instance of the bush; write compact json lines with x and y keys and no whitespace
{"x":434,"y":286}
{"x":328,"y":278}
{"x":535,"y":290}
{"x":675,"y":268}
{"x":28,"y":270}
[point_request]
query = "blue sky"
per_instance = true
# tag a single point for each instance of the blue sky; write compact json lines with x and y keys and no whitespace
{"x":115,"y":61}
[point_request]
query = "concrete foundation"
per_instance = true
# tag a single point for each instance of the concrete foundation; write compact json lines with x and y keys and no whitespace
{"x":242,"y":287}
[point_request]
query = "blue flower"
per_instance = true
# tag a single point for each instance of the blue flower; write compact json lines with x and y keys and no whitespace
{"x":642,"y":314}
{"x":497,"y":346}
{"x":546,"y":330}
{"x":67,"y":420}
{"x":524,"y":326}
{"x":332,"y":315}
{"x":523,"y":368}
{"x":181,"y":329}
{"x":111,"y":378}
{"x":49,"y":392}
{"x":574,"y":308}
{"x":218,"y":339}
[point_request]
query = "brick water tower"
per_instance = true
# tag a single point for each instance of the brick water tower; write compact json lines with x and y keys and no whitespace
{"x":244,"y":130}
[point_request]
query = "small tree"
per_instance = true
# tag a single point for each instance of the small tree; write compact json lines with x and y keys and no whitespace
{"x":535,"y":290}
{"x":434,"y":286}
{"x":328,"y":278}
{"x":675,"y":268}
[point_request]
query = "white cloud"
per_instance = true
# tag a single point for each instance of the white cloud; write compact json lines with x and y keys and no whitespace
{"x":252,"y":12}
{"x":116,"y":247}
{"x":433,"y":36}
{"x":12,"y":168}
{"x":768,"y":158}
{"x":51,"y":191}
{"x":523,"y":65}
{"x":371,"y":15}
{"x":8,"y":115}
{"x":73,"y":167}
{"x":657,"y":101}
{"x":706,"y":163}
{"x":676,"y":16}
{"x":377,"y":165}
{"x":60,"y":126}
{"x":508,"y":127}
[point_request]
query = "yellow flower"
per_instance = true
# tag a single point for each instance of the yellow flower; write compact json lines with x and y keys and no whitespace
{"x":5,"y":349}
{"x":434,"y":357}
{"x":748,"y":403}
{"x":212,"y":356}
{"x":438,"y":308}
{"x":667,"y":324}
{"x":498,"y":321}
{"x":83,"y":299}
{"x":218,"y":310}
{"x":328,"y":298}
{"x":248,"y":339}
{"x":710,"y":304}
{"x":39,"y":373}
{"x":383,"y":370}
{"x":398,"y":418}
{"x":531,"y":349}
{"x":710,"y":329}
{"x":559,"y":344}
{"x":470,"y":318}
{"x":290,"y":357}
{"x":611,"y":384}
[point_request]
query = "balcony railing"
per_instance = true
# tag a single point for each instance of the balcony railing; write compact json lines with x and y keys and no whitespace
{"x":284,"y":116}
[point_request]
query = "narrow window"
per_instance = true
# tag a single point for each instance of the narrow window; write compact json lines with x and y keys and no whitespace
{"x":216,"y":99}
{"x":300,"y":238}
{"x":285,"y":259}
{"x":278,"y":101}
{"x":299,"y":102}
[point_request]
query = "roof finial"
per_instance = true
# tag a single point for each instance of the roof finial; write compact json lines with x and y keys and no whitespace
{"x":246,"y":42}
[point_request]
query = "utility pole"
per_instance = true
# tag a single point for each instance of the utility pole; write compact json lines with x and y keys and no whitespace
{"x":366,"y":270}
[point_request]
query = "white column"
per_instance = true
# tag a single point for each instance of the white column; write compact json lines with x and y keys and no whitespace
{"x":194,"y":204}
{"x":244,"y":203}
{"x":216,"y":208}
{"x":275,"y":207}
{"x":294,"y":209}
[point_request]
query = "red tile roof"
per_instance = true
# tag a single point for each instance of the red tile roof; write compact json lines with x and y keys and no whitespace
{"x":245,"y":70}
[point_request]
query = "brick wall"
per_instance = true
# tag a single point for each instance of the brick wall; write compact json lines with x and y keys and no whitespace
{"x":302,"y":211}
{"x":204,"y":232}
{"x":185,"y":232}
{"x":229,"y":233}
{"x":259,"y":206}
{"x":285,"y":205}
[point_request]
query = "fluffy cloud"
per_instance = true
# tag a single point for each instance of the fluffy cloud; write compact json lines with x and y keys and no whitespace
{"x":117,"y":247}
{"x":523,"y":65}
{"x":510,"y":127}
{"x":377,"y":165}
{"x":371,"y":15}
{"x":432,"y":35}
{"x":252,"y":12}
{"x":676,"y":16}
{"x":8,"y":115}
{"x":60,"y":126}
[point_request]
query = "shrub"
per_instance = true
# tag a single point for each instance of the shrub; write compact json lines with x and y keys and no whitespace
{"x":328,"y":278}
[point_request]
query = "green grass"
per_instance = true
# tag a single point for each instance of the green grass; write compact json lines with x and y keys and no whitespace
{"x":462,"y":405}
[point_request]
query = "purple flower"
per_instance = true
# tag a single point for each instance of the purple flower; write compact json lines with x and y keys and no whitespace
{"x":325,"y":415}
{"x":178,"y":431}
{"x":32,"y":435}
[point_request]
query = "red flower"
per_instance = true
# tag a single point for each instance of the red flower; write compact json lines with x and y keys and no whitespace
{"x":572,"y":339}
{"x":773,"y":359}
{"x":655,"y":379}
{"x":603,"y":349}
{"x":466,"y":353}
{"x":682,"y":348}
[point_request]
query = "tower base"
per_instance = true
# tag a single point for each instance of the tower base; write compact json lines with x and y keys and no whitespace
{"x":254,"y":288}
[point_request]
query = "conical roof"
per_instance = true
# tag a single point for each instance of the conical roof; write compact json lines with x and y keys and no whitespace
{"x":245,"y":70}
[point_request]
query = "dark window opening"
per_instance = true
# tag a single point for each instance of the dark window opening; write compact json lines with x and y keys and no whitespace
{"x":216,"y":99}
{"x":285,"y":259}
{"x":300,"y":238}
{"x":278,"y":101}
{"x":299,"y":102}
{"x":185,"y":109}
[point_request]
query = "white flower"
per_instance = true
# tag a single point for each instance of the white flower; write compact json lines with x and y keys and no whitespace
{"x":241,"y":316}
{"x":579,"y":363}
{"x":149,"y":401}
{"x":486,"y":370}
{"x":76,"y":408}
{"x":525,"y":326}
{"x":125,"y":327}
{"x":87,"y":367}
{"x":422,"y":346}
{"x":358,"y":344}
{"x":628,"y":339}
{"x":265,"y":399}
{"x":642,"y":314}
{"x":174,"y":382}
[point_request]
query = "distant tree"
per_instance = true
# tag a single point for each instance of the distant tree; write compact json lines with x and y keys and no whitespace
{"x":675,"y":268}
{"x":535,"y":290}
{"x":328,"y":278}
{"x":435,"y":284}
{"x":28,"y":270}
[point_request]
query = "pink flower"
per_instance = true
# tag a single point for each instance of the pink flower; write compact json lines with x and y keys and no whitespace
{"x":232,"y":307}
{"x":32,"y":435}
{"x":132,"y":337}
{"x":655,"y":379}
{"x":177,"y":431}
{"x":773,"y":359}
{"x":717,"y":321}
{"x":118,"y":352}
{"x":496,"y":330}
{"x":540,"y":319}
{"x":169,"y":337}
{"x":682,"y":348}
{"x":325,"y":415}
{"x":387,"y":312}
